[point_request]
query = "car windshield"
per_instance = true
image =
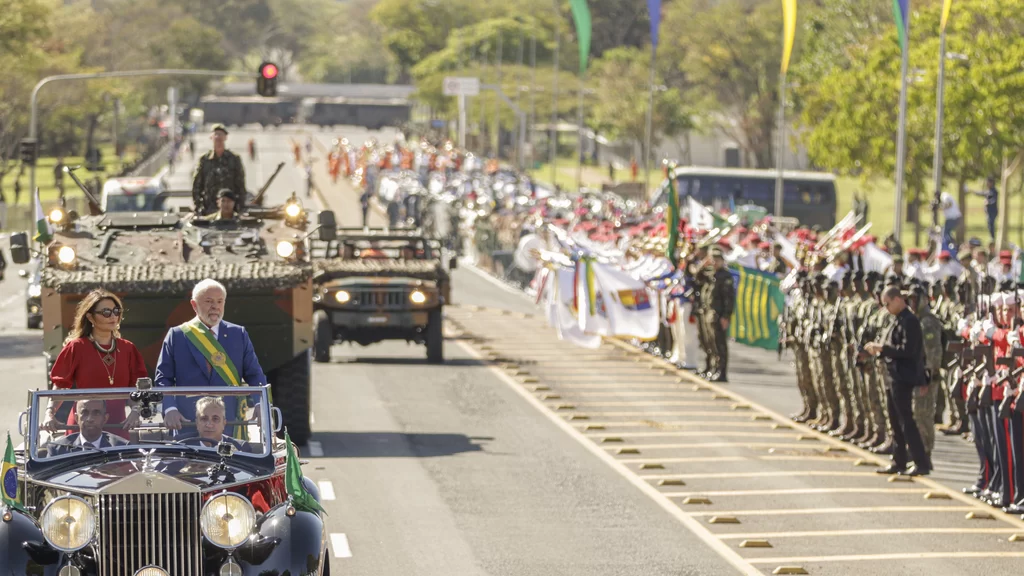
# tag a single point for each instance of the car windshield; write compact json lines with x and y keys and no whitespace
{"x":144,"y":202}
{"x":91,"y":420}
{"x":388,"y":249}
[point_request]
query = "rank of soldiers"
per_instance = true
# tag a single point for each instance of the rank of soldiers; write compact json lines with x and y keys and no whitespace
{"x":974,"y":361}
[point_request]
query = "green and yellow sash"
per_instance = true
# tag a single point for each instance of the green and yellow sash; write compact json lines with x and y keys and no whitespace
{"x":206,"y":342}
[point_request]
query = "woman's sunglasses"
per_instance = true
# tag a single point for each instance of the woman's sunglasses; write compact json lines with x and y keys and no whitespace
{"x":108,"y":312}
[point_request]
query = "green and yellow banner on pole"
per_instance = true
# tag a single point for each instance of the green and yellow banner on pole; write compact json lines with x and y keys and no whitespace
{"x":788,"y":32}
{"x":759,"y":302}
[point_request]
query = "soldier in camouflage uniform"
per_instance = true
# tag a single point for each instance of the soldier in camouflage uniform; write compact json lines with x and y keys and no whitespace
{"x":796,"y":323}
{"x":852,"y":301}
{"x":874,"y":327}
{"x":833,"y":340}
{"x":217,"y":170}
{"x":825,"y":377}
{"x":925,"y":396}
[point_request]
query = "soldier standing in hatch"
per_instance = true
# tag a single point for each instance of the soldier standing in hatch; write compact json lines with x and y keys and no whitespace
{"x":218,"y":169}
{"x":723,"y":300}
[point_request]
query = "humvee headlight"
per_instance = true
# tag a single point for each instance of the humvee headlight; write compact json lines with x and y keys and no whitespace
{"x":66,"y":255}
{"x":34,"y":290}
{"x":56,"y":215}
{"x":417,"y":297}
{"x":292,"y":210}
{"x":68,"y":523}
{"x":342,"y":297}
{"x":227,"y":520}
{"x":285,"y":249}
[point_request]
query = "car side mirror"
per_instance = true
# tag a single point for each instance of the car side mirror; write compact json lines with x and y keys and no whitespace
{"x":328,"y":226}
{"x":276,"y":418}
{"x":19,"y":248}
{"x":453,"y":263}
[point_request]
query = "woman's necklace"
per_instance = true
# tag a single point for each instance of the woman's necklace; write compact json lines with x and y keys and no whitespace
{"x":107,"y":355}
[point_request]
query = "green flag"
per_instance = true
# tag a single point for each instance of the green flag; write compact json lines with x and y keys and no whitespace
{"x":9,"y":478}
{"x":581,"y":16}
{"x":301,"y":498}
{"x":672,"y":217}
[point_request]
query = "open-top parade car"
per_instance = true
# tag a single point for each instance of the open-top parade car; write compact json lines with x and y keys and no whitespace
{"x":222,"y":496}
{"x":376,"y":285}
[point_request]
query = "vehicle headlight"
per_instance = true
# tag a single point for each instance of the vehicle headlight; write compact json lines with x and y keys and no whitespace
{"x":34,"y":290}
{"x":292,"y":210}
{"x":56,"y":215}
{"x":68,"y":523}
{"x":285,"y":249}
{"x":417,"y":297}
{"x":227,"y":520}
{"x":342,"y":297}
{"x":66,"y":255}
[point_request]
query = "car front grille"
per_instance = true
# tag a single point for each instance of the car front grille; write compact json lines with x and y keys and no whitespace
{"x":382,"y":299}
{"x":138,"y":530}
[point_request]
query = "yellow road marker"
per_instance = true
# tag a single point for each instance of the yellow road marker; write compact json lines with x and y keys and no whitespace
{"x":766,"y":474}
{"x":1016,"y":538}
{"x":722,"y":414}
{"x":611,"y":439}
{"x":539,"y":388}
{"x":655,"y":403}
{"x":551,"y":397}
{"x":740,"y":407}
{"x":761,"y":417}
{"x":723,"y":520}
{"x":579,"y":417}
{"x":628,"y":451}
{"x":693,"y":500}
{"x":865,"y":532}
{"x":755,"y":544}
{"x":789,"y":570}
{"x":678,"y":460}
{"x":937,"y":496}
{"x":565,"y":407}
{"x":593,"y":427}
{"x":651,"y":467}
{"x":847,"y":510}
{"x":719,"y":445}
{"x":671,"y":482}
{"x":798,"y":491}
{"x":696,"y":434}
{"x":618,"y":394}
{"x":530,"y":379}
{"x":979,"y":515}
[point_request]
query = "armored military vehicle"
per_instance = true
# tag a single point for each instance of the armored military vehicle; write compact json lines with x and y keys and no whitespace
{"x":153,"y":259}
{"x":371,"y":285}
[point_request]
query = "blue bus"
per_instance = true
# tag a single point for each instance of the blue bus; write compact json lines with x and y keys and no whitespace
{"x":809,"y":197}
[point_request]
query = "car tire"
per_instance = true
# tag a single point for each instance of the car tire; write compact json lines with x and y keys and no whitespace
{"x":327,"y":564}
{"x":323,"y":336}
{"x":435,"y":337}
{"x":290,"y":385}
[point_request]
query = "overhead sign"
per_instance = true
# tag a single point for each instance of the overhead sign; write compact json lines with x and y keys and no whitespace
{"x":459,"y":86}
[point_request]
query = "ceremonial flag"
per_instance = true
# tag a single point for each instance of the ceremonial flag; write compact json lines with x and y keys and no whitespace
{"x":628,"y":304}
{"x":946,"y":5}
{"x":654,"y":14}
{"x":581,"y":16}
{"x":561,"y":310}
{"x":301,"y":498}
{"x":9,"y":478}
{"x":672,"y":218}
{"x":759,"y":301}
{"x":788,"y":31}
{"x":901,"y":12}
{"x":43,"y":232}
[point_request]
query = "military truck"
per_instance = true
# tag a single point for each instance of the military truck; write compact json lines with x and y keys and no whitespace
{"x":153,"y":259}
{"x":372,"y":285}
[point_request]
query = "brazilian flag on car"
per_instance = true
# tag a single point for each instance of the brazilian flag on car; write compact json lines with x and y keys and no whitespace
{"x":9,"y":478}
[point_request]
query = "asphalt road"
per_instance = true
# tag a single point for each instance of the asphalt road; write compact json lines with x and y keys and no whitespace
{"x":470,"y":468}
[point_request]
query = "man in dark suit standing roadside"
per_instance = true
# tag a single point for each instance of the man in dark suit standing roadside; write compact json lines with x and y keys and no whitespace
{"x":903,"y":353}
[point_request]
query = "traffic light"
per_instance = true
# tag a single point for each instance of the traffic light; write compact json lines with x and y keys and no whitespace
{"x":266,"y":82}
{"x":29,"y":152}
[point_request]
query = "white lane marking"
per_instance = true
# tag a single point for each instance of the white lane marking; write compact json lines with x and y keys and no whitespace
{"x":316,"y":449}
{"x":709,"y":539}
{"x":312,"y":417}
{"x":495,"y":281}
{"x":339,"y":542}
{"x":326,"y":489}
{"x":10,"y":299}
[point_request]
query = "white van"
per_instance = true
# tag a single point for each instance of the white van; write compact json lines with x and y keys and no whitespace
{"x":133,"y":195}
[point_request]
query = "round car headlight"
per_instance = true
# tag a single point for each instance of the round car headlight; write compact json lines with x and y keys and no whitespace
{"x":34,"y":290}
{"x":292,"y":210}
{"x":342,"y":297}
{"x":285,"y":249}
{"x":66,"y":255}
{"x":56,"y":215}
{"x":227,"y":520}
{"x":417,"y":297}
{"x":68,"y":523}
{"x":151,"y":571}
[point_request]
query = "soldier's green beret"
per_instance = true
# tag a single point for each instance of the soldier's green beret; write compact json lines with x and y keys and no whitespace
{"x":219,"y":126}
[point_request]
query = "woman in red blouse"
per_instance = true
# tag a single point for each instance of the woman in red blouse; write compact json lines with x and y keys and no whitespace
{"x":94,"y":356}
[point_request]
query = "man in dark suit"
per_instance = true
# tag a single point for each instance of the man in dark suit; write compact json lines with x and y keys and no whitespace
{"x":211,"y":420}
{"x":903,"y":352}
{"x":92,"y":416}
{"x":207,"y":351}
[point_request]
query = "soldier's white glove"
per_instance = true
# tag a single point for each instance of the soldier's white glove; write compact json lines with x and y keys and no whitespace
{"x":1013,"y":339}
{"x":975,"y":333}
{"x":962,"y":325}
{"x":988,"y":328}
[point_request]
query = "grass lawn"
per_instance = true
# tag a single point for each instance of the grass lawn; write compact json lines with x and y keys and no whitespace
{"x":48,"y":192}
{"x":880,"y":195}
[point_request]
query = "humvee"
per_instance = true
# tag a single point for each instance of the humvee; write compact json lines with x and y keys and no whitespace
{"x":372,"y":285}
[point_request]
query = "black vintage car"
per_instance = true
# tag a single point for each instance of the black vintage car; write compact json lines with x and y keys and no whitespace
{"x":103,"y":498}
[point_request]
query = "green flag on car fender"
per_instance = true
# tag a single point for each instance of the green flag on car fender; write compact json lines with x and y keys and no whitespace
{"x":301,"y":498}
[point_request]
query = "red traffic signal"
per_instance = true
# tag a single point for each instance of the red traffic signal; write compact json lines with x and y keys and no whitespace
{"x":266,"y":81}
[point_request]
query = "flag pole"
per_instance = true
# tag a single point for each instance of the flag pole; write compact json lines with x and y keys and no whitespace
{"x":901,"y":139}
{"x":579,"y":137}
{"x":939,"y":112}
{"x":553,"y":143}
{"x":650,"y":128}
{"x":780,"y":156}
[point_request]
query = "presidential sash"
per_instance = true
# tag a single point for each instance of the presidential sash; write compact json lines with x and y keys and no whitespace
{"x":206,"y":342}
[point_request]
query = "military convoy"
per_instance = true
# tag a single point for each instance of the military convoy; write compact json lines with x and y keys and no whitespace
{"x":153,"y":259}
{"x":371,"y":285}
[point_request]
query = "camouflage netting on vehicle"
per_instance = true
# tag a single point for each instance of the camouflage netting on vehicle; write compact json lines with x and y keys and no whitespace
{"x":159,"y":278}
{"x":421,"y":269}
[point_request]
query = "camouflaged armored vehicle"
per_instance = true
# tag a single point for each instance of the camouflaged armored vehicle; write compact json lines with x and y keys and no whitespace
{"x":376,"y":285}
{"x":152,"y":260}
